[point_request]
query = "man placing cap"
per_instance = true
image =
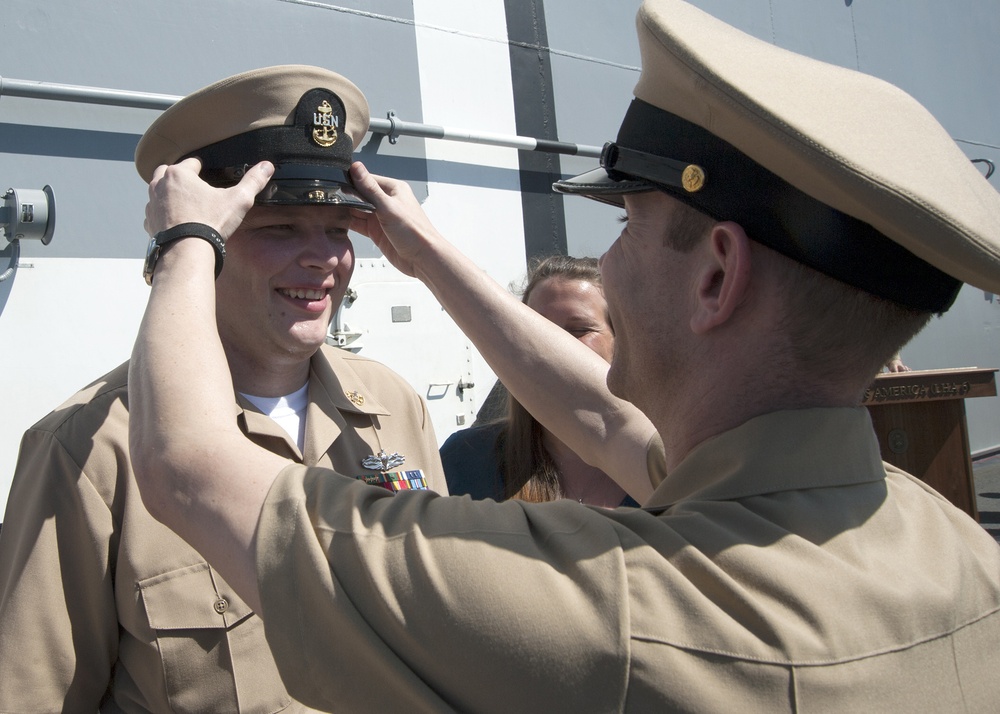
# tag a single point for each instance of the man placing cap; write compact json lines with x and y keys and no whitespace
{"x":783,"y":239}
{"x":103,"y":608}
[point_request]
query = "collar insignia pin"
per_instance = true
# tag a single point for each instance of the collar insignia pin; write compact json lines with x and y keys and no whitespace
{"x":357,"y":398}
{"x":383,"y":461}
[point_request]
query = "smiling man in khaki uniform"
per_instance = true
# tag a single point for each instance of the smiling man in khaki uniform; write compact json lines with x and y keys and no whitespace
{"x":790,"y":225}
{"x":103,"y":608}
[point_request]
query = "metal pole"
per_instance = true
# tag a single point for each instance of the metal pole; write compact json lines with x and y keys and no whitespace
{"x":391,"y":127}
{"x":85,"y":95}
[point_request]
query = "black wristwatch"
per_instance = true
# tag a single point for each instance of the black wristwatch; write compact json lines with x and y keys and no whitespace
{"x":183,"y":230}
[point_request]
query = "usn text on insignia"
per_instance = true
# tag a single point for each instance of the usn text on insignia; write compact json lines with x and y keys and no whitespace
{"x":383,"y":461}
{"x":325,"y":125}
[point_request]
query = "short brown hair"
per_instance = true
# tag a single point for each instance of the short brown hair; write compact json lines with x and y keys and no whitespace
{"x":686,"y":228}
{"x":832,"y":327}
{"x":839,"y":329}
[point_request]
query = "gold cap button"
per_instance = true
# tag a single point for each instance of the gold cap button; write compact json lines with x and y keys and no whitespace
{"x":693,"y":178}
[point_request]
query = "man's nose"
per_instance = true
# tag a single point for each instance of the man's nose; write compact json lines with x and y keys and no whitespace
{"x":321,"y":249}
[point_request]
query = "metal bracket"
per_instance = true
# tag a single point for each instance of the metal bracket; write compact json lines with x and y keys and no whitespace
{"x":342,"y":338}
{"x":393,"y":134}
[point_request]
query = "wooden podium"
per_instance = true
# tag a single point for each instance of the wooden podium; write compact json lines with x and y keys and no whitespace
{"x":919,"y":419}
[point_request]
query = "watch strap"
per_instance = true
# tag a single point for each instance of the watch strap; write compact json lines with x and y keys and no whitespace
{"x":195,"y":230}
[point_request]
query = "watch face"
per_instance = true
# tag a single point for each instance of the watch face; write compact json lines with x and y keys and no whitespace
{"x":152,"y":254}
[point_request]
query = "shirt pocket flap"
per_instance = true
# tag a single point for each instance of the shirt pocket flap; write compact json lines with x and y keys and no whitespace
{"x":192,"y":597}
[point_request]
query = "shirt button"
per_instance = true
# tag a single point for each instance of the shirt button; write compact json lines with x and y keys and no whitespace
{"x":221,"y":605}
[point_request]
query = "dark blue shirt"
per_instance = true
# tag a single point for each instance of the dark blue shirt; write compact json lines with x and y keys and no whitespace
{"x":471,"y":460}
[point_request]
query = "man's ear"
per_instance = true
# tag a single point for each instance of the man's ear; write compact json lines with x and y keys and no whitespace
{"x":722,"y":276}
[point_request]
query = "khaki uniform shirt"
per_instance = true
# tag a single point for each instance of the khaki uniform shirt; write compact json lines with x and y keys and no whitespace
{"x":782,"y":567}
{"x":102,"y":607}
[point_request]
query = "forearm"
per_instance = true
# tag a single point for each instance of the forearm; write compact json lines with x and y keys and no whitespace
{"x":179,"y":382}
{"x":179,"y":379}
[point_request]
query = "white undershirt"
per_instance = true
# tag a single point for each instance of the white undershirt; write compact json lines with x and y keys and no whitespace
{"x":289,"y":412}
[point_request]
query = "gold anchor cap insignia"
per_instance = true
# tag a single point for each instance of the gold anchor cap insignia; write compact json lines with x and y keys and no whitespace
{"x":356,"y":398}
{"x":325,"y":125}
{"x":383,"y":461}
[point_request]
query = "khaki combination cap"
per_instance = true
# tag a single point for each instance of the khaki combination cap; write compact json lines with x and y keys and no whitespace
{"x":306,"y":120}
{"x":834,"y":168}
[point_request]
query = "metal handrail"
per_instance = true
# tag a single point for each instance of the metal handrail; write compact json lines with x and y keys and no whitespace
{"x":392,"y":127}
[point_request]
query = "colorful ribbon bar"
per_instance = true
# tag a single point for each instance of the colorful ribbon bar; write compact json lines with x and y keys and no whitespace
{"x":398,"y":480}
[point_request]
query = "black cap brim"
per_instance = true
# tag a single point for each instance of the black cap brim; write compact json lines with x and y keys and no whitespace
{"x":310,"y":192}
{"x":598,"y":185}
{"x":297,"y":185}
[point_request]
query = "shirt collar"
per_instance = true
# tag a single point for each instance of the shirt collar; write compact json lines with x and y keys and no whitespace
{"x":333,"y":380}
{"x":780,"y":451}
